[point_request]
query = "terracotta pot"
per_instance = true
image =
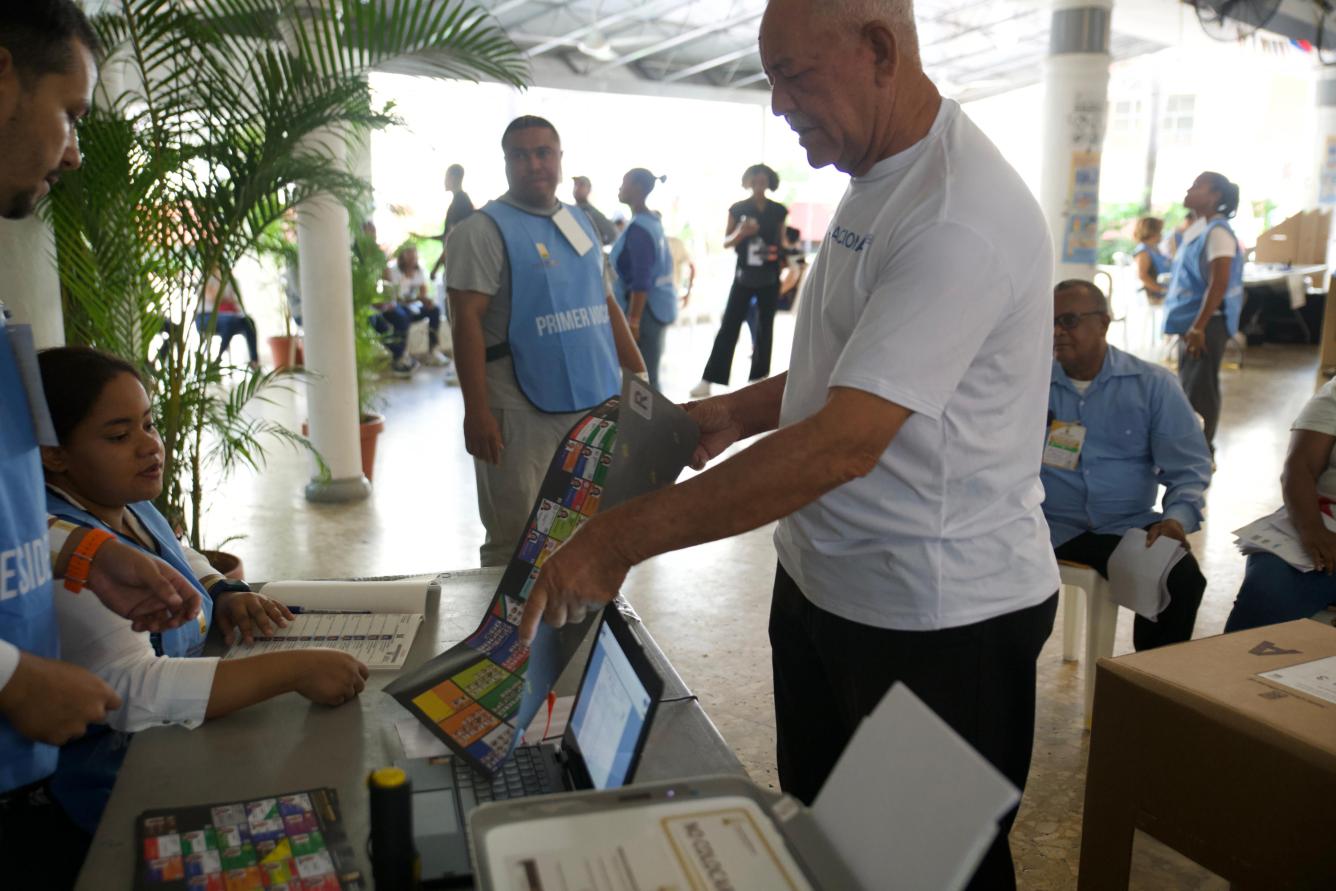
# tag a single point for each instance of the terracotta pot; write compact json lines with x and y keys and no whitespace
{"x":229,"y":565}
{"x":287,"y":351}
{"x":370,"y":429}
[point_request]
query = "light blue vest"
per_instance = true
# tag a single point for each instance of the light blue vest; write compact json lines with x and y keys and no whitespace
{"x":27,"y":616}
{"x":662,"y":293}
{"x":1159,"y":263}
{"x":84,"y":779}
{"x":560,"y":336}
{"x":1191,"y":276}
{"x":188,"y":640}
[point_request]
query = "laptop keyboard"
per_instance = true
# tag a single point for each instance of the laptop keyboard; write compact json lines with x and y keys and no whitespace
{"x":522,"y":775}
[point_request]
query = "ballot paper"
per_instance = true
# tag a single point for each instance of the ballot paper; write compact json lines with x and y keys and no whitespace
{"x":1139,"y":575}
{"x":1316,"y":679}
{"x":909,"y":804}
{"x":373,"y":621}
{"x":419,"y":742}
{"x":1276,"y":534}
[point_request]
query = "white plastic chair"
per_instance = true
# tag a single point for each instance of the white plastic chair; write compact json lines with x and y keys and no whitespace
{"x":1101,"y":620}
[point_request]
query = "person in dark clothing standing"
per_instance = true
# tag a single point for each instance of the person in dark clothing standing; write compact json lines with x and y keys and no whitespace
{"x":461,"y":208}
{"x":755,"y":231}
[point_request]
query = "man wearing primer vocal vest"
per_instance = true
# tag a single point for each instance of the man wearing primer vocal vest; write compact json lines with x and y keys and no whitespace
{"x":47,"y":72}
{"x":903,"y":467}
{"x":539,"y":338}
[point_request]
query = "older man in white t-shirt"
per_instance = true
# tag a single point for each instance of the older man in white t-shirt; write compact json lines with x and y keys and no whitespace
{"x":905,"y":467}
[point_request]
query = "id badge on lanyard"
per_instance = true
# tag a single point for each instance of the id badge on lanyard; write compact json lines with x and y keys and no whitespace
{"x":1062,"y":448}
{"x":25,"y":357}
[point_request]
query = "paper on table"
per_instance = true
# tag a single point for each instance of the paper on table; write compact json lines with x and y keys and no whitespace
{"x":910,"y":804}
{"x":399,"y":596}
{"x":1316,"y":678}
{"x":377,"y":640}
{"x":419,"y":742}
{"x":1139,"y":575}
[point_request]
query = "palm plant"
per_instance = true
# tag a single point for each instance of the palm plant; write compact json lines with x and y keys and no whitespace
{"x":220,"y":127}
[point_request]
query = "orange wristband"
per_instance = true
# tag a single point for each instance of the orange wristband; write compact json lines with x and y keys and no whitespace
{"x":81,"y":561}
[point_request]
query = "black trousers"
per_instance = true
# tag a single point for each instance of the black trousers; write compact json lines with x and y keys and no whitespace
{"x":1200,"y":376}
{"x":830,"y":673}
{"x":726,"y":341}
{"x":40,"y":847}
{"x":1186,"y":586}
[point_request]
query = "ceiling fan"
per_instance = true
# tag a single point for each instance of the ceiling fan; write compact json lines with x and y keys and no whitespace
{"x":1234,"y":20}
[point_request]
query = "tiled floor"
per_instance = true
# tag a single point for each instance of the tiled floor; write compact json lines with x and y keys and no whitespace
{"x":707,"y":606}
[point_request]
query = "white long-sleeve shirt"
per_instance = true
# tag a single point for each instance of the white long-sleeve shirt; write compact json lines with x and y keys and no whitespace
{"x":154,"y":690}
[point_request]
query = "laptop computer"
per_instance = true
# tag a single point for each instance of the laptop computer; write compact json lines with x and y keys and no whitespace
{"x":610,"y":720}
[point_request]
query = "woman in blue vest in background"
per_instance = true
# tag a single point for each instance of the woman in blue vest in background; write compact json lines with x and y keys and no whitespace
{"x":1206,"y":294}
{"x":104,"y":475}
{"x":644,"y":266}
{"x":1146,"y":256}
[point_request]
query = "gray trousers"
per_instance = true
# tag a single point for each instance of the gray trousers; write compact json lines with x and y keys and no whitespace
{"x":507,"y":491}
{"x":1200,"y":376}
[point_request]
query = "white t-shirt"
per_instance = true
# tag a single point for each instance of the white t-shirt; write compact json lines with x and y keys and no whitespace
{"x":1319,"y":415}
{"x":408,"y":287}
{"x":1220,"y":243}
{"x":933,"y":290}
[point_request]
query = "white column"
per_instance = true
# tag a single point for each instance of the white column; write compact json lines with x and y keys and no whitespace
{"x":1076,"y":86}
{"x":324,"y":253}
{"x":30,"y":286}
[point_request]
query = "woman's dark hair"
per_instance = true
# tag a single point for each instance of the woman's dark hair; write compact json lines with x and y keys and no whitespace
{"x":1229,"y":193}
{"x":792,"y":234}
{"x":772,"y":178}
{"x":73,"y":378}
{"x":645,"y":180}
{"x":528,"y":122}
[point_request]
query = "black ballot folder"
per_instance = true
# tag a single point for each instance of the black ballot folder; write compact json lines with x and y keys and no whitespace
{"x":610,"y":720}
{"x":712,"y":832}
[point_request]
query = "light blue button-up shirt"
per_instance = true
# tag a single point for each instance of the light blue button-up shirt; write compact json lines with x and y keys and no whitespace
{"x":1141,"y":433}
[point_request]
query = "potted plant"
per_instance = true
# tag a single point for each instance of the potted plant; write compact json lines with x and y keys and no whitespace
{"x":205,"y":147}
{"x":279,"y":243}
{"x":371,"y":356}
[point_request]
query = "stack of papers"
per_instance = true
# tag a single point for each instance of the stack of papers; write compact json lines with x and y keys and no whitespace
{"x":1139,"y":575}
{"x":1275,"y":534}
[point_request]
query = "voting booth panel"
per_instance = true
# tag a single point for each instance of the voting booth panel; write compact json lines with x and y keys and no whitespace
{"x":1236,"y":771}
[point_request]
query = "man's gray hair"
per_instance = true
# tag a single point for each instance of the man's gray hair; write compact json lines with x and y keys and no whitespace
{"x":898,"y":14}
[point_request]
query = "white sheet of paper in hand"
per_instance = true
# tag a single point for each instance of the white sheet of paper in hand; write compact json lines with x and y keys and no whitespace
{"x":910,"y":804}
{"x":573,"y":232}
{"x":1138,"y":575}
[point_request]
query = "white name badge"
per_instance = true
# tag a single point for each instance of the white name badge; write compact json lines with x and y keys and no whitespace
{"x":25,"y":356}
{"x":1063,"y":446}
{"x":573,"y":232}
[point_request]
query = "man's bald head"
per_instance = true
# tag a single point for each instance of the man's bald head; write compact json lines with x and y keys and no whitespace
{"x":899,"y":14}
{"x":845,"y":75}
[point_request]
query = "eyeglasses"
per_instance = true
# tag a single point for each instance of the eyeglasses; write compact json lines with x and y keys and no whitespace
{"x":541,"y":153}
{"x":1069,"y":320}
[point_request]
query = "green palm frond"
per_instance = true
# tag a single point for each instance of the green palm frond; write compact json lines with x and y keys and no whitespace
{"x":216,"y":133}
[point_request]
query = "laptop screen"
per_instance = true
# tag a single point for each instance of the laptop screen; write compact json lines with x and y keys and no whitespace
{"x":610,"y":712}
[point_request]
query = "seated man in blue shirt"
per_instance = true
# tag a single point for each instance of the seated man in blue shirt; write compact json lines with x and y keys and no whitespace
{"x":1123,"y":428}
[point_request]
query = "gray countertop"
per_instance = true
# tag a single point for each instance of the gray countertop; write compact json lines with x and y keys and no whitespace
{"x":289,"y":743}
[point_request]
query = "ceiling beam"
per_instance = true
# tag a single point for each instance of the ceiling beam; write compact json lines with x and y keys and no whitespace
{"x":570,"y":38}
{"x":747,"y":81}
{"x":679,"y":39}
{"x":709,"y":64}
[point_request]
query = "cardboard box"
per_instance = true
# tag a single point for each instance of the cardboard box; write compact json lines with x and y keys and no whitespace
{"x":1190,"y":746}
{"x":1300,"y":240}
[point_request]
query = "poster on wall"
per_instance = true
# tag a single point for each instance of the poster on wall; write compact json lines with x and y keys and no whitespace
{"x":1327,"y":195}
{"x":1080,"y":239}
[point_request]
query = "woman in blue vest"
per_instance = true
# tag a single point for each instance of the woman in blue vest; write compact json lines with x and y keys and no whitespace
{"x":104,"y":475}
{"x":756,"y":232}
{"x":644,"y":266}
{"x":1206,"y":294}
{"x":1146,"y":256}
